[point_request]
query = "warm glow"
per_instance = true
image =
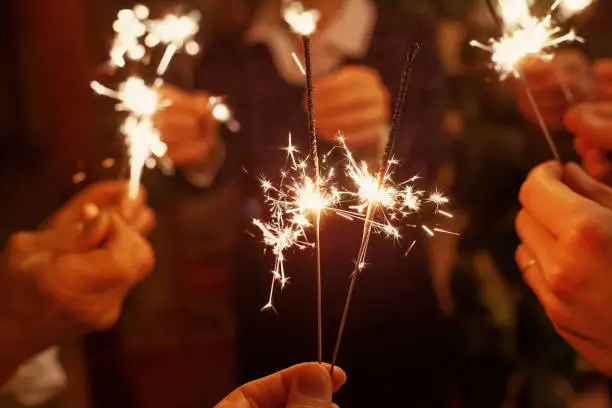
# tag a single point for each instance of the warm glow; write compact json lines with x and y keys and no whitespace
{"x":173,"y":29}
{"x":303,"y":22}
{"x":129,"y":27}
{"x":533,"y":39}
{"x":137,"y":97}
{"x":143,"y":142}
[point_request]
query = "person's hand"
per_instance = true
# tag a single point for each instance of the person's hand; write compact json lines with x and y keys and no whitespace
{"x":566,"y":255}
{"x":592,"y":125}
{"x":67,"y":280}
{"x":109,"y":196}
{"x":556,"y":85}
{"x":306,"y":385}
{"x":355,"y":101}
{"x":603,"y":79}
{"x":187,"y":126}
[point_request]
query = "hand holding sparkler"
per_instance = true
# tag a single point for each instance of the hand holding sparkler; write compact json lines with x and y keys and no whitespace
{"x":591,"y":124}
{"x":109,"y":196}
{"x":555,"y":85}
{"x":188,"y":127}
{"x":532,"y":38}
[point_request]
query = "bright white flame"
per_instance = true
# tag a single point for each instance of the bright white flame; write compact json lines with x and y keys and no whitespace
{"x":138,"y":98}
{"x":533,"y":39}
{"x":129,"y":27}
{"x":301,"y":21}
{"x":143,"y":142}
{"x":514,"y":12}
{"x":173,"y":29}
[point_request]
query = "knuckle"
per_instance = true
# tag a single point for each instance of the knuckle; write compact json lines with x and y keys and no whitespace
{"x":562,"y":280}
{"x":587,"y":234}
{"x":19,"y":241}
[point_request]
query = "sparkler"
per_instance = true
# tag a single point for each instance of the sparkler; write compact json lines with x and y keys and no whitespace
{"x":377,"y":192}
{"x":141,"y":102}
{"x":130,"y":27}
{"x":304,"y":23}
{"x":533,"y":38}
{"x":176,"y":32}
{"x":292,"y":204}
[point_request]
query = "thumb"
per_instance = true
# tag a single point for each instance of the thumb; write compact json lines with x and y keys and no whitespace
{"x":311,"y":387}
{"x":579,"y":181}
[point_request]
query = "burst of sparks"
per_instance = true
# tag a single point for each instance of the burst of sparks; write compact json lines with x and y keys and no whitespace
{"x":141,"y":102}
{"x":389,"y":202}
{"x":526,"y":37}
{"x":293,"y":205}
{"x":176,"y":32}
{"x":144,"y":144}
{"x":301,"y":21}
{"x":130,"y":27}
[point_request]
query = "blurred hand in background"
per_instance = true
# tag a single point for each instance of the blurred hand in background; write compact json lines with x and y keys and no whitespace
{"x":187,"y":127}
{"x":591,"y":124}
{"x":354,"y":100}
{"x":109,"y":196}
{"x":66,"y":280}
{"x":556,"y":85}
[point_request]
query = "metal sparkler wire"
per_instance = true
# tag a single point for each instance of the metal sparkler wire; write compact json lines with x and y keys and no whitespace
{"x":373,"y":205}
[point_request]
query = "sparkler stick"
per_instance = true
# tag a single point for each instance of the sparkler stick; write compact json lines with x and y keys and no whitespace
{"x":304,"y":23}
{"x":532,"y":38}
{"x":372,"y":204}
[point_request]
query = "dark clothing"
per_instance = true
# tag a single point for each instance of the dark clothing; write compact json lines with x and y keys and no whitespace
{"x":394,"y":345}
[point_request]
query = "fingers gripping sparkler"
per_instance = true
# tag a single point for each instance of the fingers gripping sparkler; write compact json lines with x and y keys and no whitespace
{"x":531,"y":38}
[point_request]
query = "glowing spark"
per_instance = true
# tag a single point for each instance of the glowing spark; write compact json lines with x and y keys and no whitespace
{"x":176,"y":33}
{"x":223,"y":114}
{"x":301,"y":21}
{"x":525,"y":37}
{"x":533,"y":39}
{"x":298,"y":63}
{"x":295,"y":204}
{"x":129,"y":28}
{"x":134,"y":96}
{"x":144,"y":143}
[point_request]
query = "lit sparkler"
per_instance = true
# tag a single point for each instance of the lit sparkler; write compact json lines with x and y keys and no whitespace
{"x":294,"y":205}
{"x":304,"y":23}
{"x":176,"y":32}
{"x":532,"y":38}
{"x":141,"y":102}
{"x":376,"y":192}
{"x":130,"y":27}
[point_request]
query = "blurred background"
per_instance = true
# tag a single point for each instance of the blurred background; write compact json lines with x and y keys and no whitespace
{"x":176,"y":343}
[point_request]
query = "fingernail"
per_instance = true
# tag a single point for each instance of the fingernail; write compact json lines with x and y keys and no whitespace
{"x":313,"y":385}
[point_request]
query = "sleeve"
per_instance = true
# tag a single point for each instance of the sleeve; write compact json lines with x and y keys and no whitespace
{"x":38,"y":380}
